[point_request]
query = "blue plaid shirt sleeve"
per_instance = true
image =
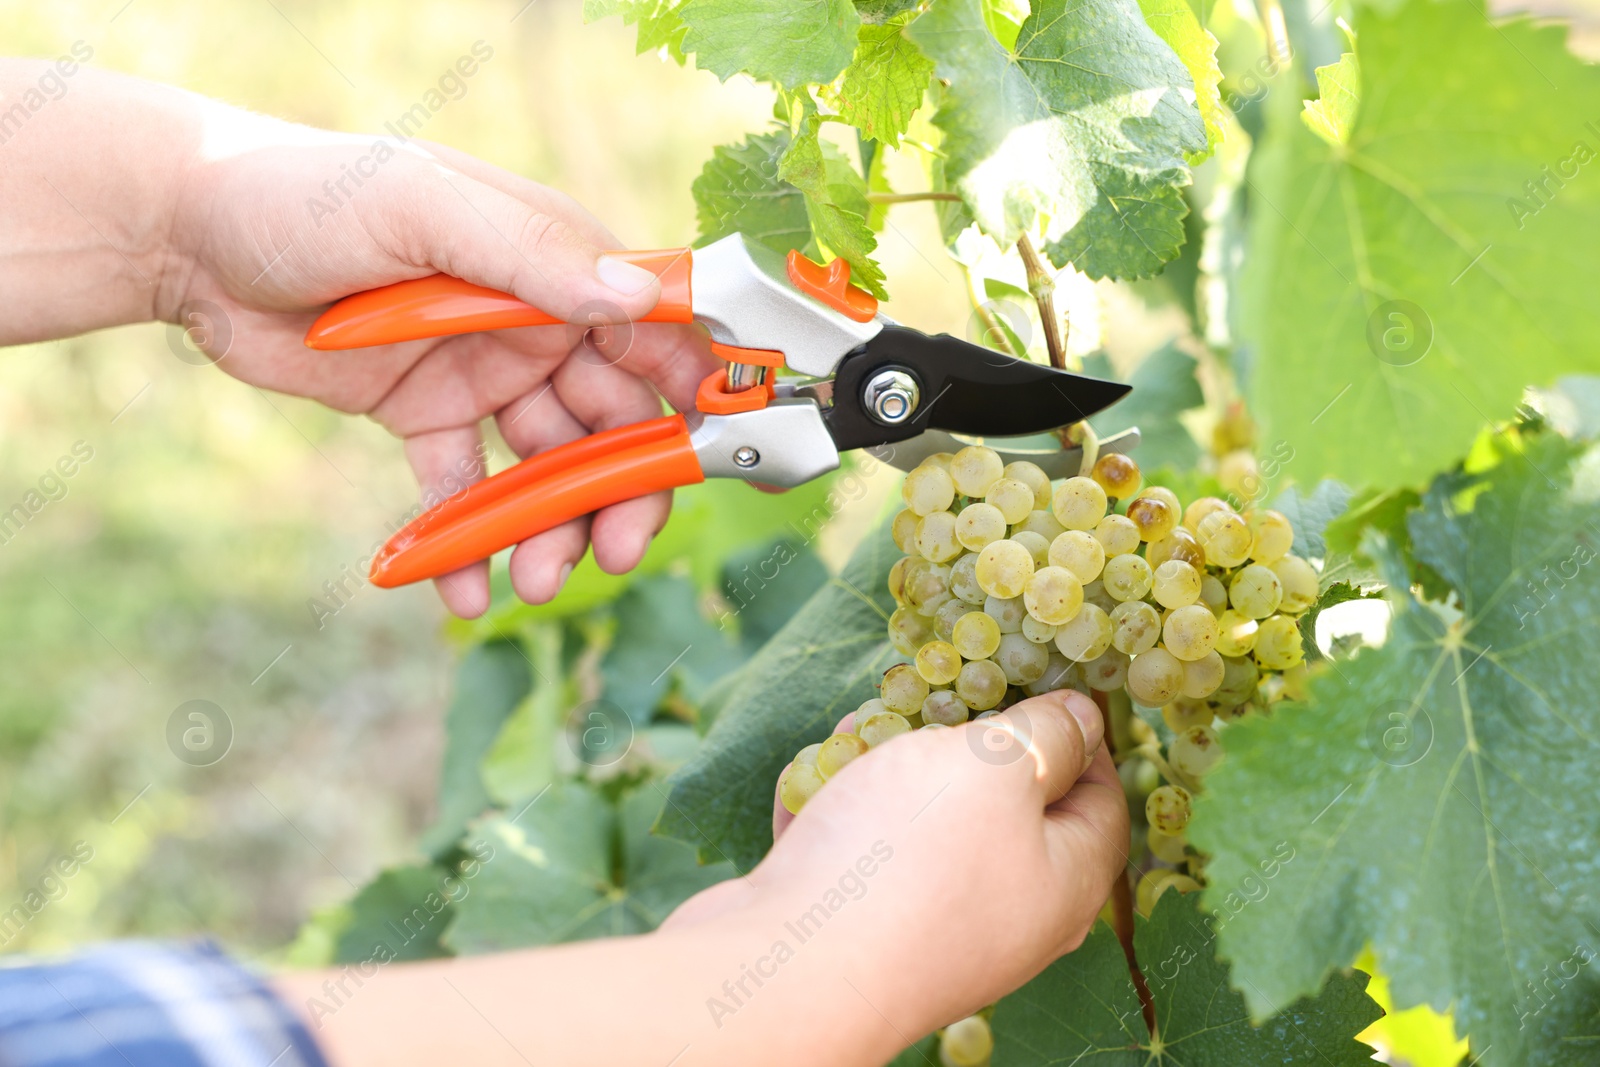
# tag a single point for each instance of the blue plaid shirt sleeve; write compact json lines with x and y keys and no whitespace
{"x":137,"y":1004}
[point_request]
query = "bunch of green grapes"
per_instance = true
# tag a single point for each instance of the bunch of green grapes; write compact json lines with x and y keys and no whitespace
{"x":1013,"y":585}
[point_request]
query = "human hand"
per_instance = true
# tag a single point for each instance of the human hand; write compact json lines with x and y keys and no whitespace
{"x":276,"y":220}
{"x":1004,"y":837}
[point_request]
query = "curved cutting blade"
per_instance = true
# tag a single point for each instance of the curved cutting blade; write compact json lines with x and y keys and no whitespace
{"x":964,"y":388}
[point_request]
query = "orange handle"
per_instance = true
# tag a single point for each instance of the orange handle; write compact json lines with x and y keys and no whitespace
{"x":440,"y":305}
{"x":539,"y":494}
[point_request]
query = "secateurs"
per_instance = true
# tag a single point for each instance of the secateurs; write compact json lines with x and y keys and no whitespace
{"x":862,"y":381}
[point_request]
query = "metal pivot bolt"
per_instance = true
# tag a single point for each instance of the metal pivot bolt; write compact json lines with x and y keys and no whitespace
{"x":892,"y":396}
{"x":746,"y":457}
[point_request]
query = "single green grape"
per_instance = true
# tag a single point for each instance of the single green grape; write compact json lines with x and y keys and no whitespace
{"x":1183,"y":714}
{"x":1155,"y":678}
{"x":1135,"y":627}
{"x":964,"y":579}
{"x":883,"y":726}
{"x":1195,"y":752}
{"x":1271,"y":535}
{"x":1053,"y":595}
{"x":1180,"y":545}
{"x":837,"y":751}
{"x":1117,"y":535}
{"x":1004,"y":568}
{"x":1213,"y":594}
{"x":1256,"y":591}
{"x":1278,"y":645}
{"x":1190,"y":632}
{"x":1007,"y":612}
{"x":1199,"y":508}
{"x":936,"y":537}
{"x":1299,"y":580}
{"x":904,"y":530}
{"x":944,"y":707}
{"x":1118,"y":475}
{"x":1167,"y":847}
{"x":1108,"y":672}
{"x":979,"y":525}
{"x":799,"y":784}
{"x":975,"y":469}
{"x":1203,"y":676}
{"x":1236,"y":633}
{"x":903,"y":689}
{"x":1226,"y":538}
{"x":1037,"y":545}
{"x":1156,"y":882}
{"x":967,"y":1043}
{"x":908,"y":630}
{"x":1127,"y":577}
{"x":1176,"y":584}
{"x":1014,"y":499}
{"x":938,"y":662}
{"x":928,"y":489}
{"x":1042,"y":523}
{"x":1086,"y":636}
{"x":981,"y":684}
{"x":1167,"y":809}
{"x":1078,"y":503}
{"x":1021,"y":660}
{"x":1154,"y":517}
{"x":1239,"y":678}
{"x":947,"y":615}
{"x":1078,"y":552}
{"x":808,"y":754}
{"x":976,"y":635}
{"x":1040,"y":633}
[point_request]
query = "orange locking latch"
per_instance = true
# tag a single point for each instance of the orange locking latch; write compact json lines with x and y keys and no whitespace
{"x":831,"y":285}
{"x":714,"y":398}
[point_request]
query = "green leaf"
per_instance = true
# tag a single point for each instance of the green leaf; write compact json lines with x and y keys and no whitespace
{"x":818,"y":668}
{"x":1438,"y":791}
{"x":1083,"y":1007}
{"x":1094,"y":146}
{"x":739,"y":191}
{"x":658,"y":22}
{"x":522,"y":759}
{"x":836,"y":204}
{"x":1333,"y":115}
{"x":400,"y":915}
{"x":662,"y":639}
{"x":791,"y":42}
{"x":765,"y":585}
{"x":884,"y":83}
{"x":1312,"y":514}
{"x":1337,"y":593}
{"x":492,"y":680}
{"x":1386,"y":512}
{"x":1164,"y":386}
{"x":1175,"y":23}
{"x":1404,"y":287}
{"x":572,"y":866}
{"x":1004,"y":19}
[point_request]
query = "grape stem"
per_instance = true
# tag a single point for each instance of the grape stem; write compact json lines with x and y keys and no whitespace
{"x":1082,"y":435}
{"x":1042,"y":284}
{"x":1122,"y":892}
{"x":909,"y":198}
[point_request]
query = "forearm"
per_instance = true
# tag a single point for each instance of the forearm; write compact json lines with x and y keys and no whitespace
{"x":683,"y":997}
{"x":91,"y":173}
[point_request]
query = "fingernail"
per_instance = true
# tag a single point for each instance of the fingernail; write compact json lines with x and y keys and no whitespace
{"x":622,"y":276}
{"x":561,"y":579}
{"x":1089,"y":721}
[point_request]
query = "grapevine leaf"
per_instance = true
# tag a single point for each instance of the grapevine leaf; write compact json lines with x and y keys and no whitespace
{"x":791,"y":42}
{"x":1311,"y":514}
{"x":1175,"y":23}
{"x":1438,"y":789}
{"x":662,"y":639}
{"x":884,"y":82}
{"x":739,"y":191}
{"x":1337,"y":593}
{"x":1384,"y":511}
{"x":873,"y":12}
{"x":1333,"y":114}
{"x":522,"y":760}
{"x":1409,"y":283}
{"x":836,"y":204}
{"x":658,"y":22}
{"x":1164,"y":386}
{"x":571,"y":866}
{"x":765,"y":585}
{"x":1004,"y":19}
{"x":818,"y":668}
{"x":1084,"y":1007}
{"x":492,"y":680}
{"x":1094,"y":146}
{"x":400,"y":915}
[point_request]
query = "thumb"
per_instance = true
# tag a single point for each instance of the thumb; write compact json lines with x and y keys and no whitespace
{"x":470,"y":230}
